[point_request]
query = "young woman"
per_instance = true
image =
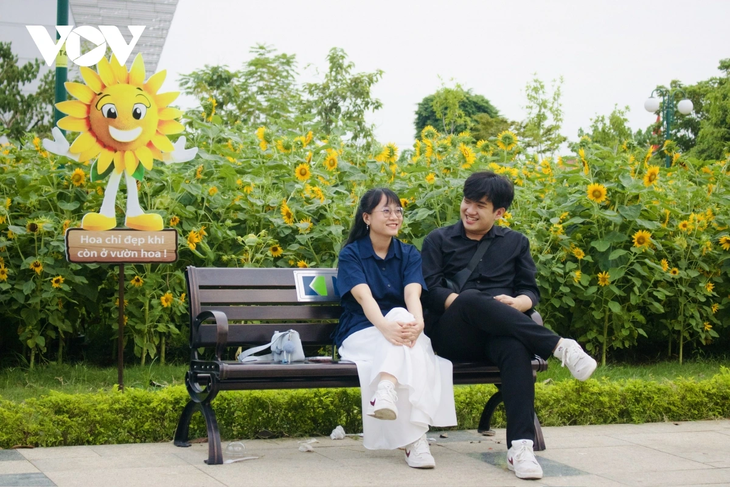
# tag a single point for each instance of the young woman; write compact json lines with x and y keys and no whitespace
{"x":404,"y":386}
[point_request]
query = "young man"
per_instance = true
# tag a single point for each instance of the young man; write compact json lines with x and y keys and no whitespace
{"x":486,"y":320}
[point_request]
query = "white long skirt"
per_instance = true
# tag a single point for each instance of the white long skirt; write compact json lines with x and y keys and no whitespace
{"x":425,"y":385}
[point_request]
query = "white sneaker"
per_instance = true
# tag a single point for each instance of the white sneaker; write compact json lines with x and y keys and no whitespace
{"x":579,"y":363}
{"x":521,"y":460}
{"x":382,"y":405}
{"x":418,"y":454}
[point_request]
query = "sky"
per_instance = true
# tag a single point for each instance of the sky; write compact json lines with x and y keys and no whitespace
{"x":608,"y":53}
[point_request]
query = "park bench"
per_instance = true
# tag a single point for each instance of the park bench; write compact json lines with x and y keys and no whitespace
{"x":239,"y":307}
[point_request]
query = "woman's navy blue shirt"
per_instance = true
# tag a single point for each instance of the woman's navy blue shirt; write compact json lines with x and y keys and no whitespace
{"x":386,"y":278}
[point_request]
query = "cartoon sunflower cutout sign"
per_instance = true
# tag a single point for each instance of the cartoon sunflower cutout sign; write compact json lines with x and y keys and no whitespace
{"x":123,"y":123}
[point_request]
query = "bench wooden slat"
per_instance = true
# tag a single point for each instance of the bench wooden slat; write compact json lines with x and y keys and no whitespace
{"x":262,"y":333}
{"x":277,"y":313}
{"x":247,"y":296}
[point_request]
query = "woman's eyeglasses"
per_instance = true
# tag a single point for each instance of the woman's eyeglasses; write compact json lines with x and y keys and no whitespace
{"x":387,"y":212}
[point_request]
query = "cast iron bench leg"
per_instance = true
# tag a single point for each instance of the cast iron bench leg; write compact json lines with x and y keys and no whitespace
{"x":539,"y":440}
{"x":215,"y":452}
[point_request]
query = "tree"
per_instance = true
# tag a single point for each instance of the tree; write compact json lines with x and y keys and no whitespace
{"x":541,"y":128}
{"x":339,"y":103}
{"x":454,"y":110}
{"x":20,"y":112}
{"x":264,"y":91}
{"x":612,"y":131}
{"x":713,"y":139}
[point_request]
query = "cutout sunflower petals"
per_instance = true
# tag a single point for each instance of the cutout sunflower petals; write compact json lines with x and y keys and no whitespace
{"x":74,"y":108}
{"x":130,"y":161}
{"x":162,"y":142}
{"x":145,"y":157}
{"x":137,"y":72}
{"x":155,"y":151}
{"x":120,"y":72}
{"x":164,"y":99}
{"x":73,"y":124}
{"x":80,"y":91}
{"x":118,"y":162}
{"x":170,"y":113}
{"x":167,"y":127}
{"x":155,"y":82}
{"x":105,"y":72}
{"x":92,"y":79}
{"x":105,"y":158}
{"x":90,"y":153}
{"x":83,"y":143}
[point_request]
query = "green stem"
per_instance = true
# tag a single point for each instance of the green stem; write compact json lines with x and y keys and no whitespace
{"x":605,"y":341}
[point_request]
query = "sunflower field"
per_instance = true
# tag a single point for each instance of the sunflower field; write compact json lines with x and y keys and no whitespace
{"x":629,"y":252}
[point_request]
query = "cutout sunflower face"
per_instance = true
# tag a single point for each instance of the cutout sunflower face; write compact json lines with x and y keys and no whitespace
{"x":122,"y":118}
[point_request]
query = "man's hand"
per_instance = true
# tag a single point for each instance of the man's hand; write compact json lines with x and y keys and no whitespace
{"x":521,"y":303}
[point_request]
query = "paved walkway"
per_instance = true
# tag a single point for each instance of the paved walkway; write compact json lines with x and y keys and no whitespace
{"x":658,"y":454}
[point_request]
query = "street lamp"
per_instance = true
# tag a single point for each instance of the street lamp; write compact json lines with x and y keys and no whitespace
{"x":666,"y":105}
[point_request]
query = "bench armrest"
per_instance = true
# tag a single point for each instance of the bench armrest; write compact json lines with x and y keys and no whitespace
{"x":221,"y":324}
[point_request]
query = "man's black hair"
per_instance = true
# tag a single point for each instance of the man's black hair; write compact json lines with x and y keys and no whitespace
{"x":498,"y":189}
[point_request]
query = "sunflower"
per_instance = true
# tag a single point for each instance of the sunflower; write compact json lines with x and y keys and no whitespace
{"x":507,"y":140}
{"x":174,"y":221}
{"x":57,"y":282}
{"x":78,"y":178}
{"x":199,"y":172}
{"x":665,"y":265}
{"x":597,"y":192}
{"x":182,"y":298}
{"x":275,"y":250}
{"x":302,"y":264}
{"x":684,"y":226}
{"x":166,"y":300}
{"x":576,"y":276}
{"x":578,"y":253}
{"x":305,"y":225}
{"x":302,"y":172}
{"x":212,"y":191}
{"x":468,"y":155}
{"x":603,"y":279}
{"x":330,"y":162}
{"x":709,"y":287}
{"x":137,"y":281}
{"x":642,"y":238}
{"x":429,"y":133}
{"x":404,"y":202}
{"x":725,"y":242}
{"x":318,"y":193}
{"x":715,"y":307}
{"x":3,"y":273}
{"x":248,"y":188}
{"x":651,"y":176}
{"x":122,"y":118}
{"x":430,"y":178}
{"x":707,"y":326}
{"x":32,"y":227}
{"x":37,"y":267}
{"x":674,"y":271}
{"x":286,"y":213}
{"x":389,"y":154}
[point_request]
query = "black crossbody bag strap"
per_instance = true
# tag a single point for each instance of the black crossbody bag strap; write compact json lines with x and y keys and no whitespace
{"x":463,"y":275}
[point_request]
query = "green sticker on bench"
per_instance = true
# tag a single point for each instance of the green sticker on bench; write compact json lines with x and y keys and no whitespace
{"x":316,"y":285}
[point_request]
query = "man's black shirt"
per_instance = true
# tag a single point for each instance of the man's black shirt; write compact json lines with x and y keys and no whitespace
{"x":506,"y":268}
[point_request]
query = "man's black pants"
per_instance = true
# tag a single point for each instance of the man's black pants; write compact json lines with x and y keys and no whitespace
{"x":479,"y":328}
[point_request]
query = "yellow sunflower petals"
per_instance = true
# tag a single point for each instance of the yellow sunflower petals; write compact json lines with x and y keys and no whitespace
{"x":105,"y":72}
{"x":92,"y":79}
{"x":118,"y":162}
{"x":137,"y":72}
{"x":83,"y":143}
{"x":168,"y":127}
{"x":105,"y":158}
{"x":155,"y":82}
{"x":90,"y":153}
{"x":74,"y":108}
{"x":145,"y":157}
{"x":170,"y":113}
{"x":130,"y":162}
{"x":120,"y":72}
{"x":164,"y":99}
{"x":73,"y":124}
{"x":80,"y":91}
{"x":155,"y":151}
{"x":162,"y":142}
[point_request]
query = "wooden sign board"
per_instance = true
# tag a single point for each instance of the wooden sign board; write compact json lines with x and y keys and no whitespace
{"x":121,"y":246}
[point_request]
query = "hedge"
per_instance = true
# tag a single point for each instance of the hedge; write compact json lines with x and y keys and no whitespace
{"x":139,"y":416}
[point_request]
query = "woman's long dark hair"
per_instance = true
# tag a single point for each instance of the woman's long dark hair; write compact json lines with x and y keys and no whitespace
{"x":368,"y":202}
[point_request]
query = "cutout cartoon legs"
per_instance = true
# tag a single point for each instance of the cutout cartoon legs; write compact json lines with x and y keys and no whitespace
{"x":136,"y":218}
{"x":104,"y":220}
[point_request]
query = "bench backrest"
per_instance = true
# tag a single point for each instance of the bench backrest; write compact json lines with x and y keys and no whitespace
{"x":259,"y":302}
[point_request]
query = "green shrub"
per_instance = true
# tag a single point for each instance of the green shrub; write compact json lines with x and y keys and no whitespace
{"x":138,"y":416}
